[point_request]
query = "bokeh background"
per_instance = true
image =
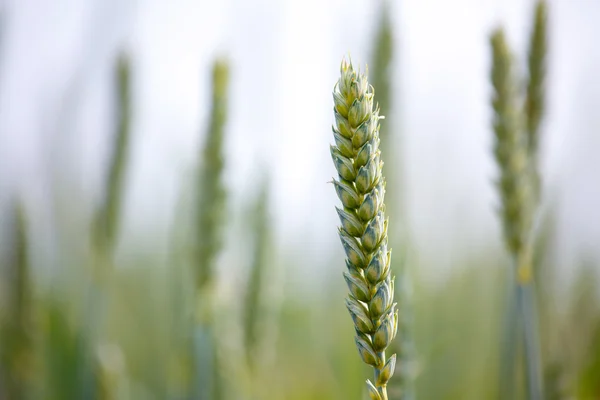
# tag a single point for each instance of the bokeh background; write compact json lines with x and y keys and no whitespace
{"x":128,"y":332}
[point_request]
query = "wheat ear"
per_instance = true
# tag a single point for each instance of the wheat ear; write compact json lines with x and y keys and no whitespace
{"x":106,"y":228}
{"x":510,"y":149}
{"x":535,"y":101}
{"x":361,"y":187}
{"x":255,"y":310}
{"x":212,"y":195}
{"x":512,"y":157}
{"x":210,"y":223}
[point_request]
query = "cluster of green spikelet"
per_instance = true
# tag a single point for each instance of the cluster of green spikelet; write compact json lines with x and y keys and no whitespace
{"x":510,"y":149}
{"x":361,"y":189}
{"x":516,"y":128}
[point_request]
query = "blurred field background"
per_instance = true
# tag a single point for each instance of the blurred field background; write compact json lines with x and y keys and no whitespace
{"x":166,"y":226}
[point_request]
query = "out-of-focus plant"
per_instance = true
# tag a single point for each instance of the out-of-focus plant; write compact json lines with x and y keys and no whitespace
{"x":16,"y":331}
{"x":255,"y":309}
{"x":401,"y":385}
{"x":517,"y":210}
{"x":105,"y":230}
{"x":535,"y":102}
{"x":108,"y":215}
{"x":208,"y":235}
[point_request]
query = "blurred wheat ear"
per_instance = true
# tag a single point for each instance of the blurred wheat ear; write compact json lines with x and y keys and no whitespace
{"x":534,"y":108}
{"x":361,"y":189}
{"x":211,"y":190}
{"x":515,"y":189}
{"x":108,"y":216}
{"x":535,"y":102}
{"x":255,"y":309}
{"x":16,"y":353}
{"x":210,"y":223}
{"x":105,"y":228}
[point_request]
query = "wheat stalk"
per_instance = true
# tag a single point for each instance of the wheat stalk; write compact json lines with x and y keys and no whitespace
{"x":514,"y":185}
{"x":534,"y":108}
{"x":254,"y":306}
{"x":105,"y":228}
{"x":361,"y":188}
{"x":210,"y":222}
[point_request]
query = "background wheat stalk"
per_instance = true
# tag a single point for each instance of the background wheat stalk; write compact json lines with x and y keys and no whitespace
{"x":361,"y":188}
{"x":105,"y":229}
{"x":209,"y":226}
{"x":255,"y":309}
{"x":401,"y":385}
{"x":515,"y":188}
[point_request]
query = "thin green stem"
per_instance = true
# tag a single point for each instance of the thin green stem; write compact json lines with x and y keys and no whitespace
{"x":509,"y":345}
{"x":532,"y":353}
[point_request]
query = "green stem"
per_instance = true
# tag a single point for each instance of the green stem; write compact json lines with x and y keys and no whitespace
{"x":532,"y":353}
{"x":509,"y":344}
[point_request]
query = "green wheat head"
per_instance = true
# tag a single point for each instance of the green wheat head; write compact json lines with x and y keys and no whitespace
{"x":254,"y":306}
{"x":510,"y":149}
{"x":361,"y":189}
{"x":108,"y":216}
{"x":535,"y":101}
{"x":517,"y":194}
{"x":212,"y":194}
{"x":209,"y":226}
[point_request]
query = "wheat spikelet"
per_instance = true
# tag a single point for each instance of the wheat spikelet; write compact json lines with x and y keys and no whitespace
{"x":361,"y":189}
